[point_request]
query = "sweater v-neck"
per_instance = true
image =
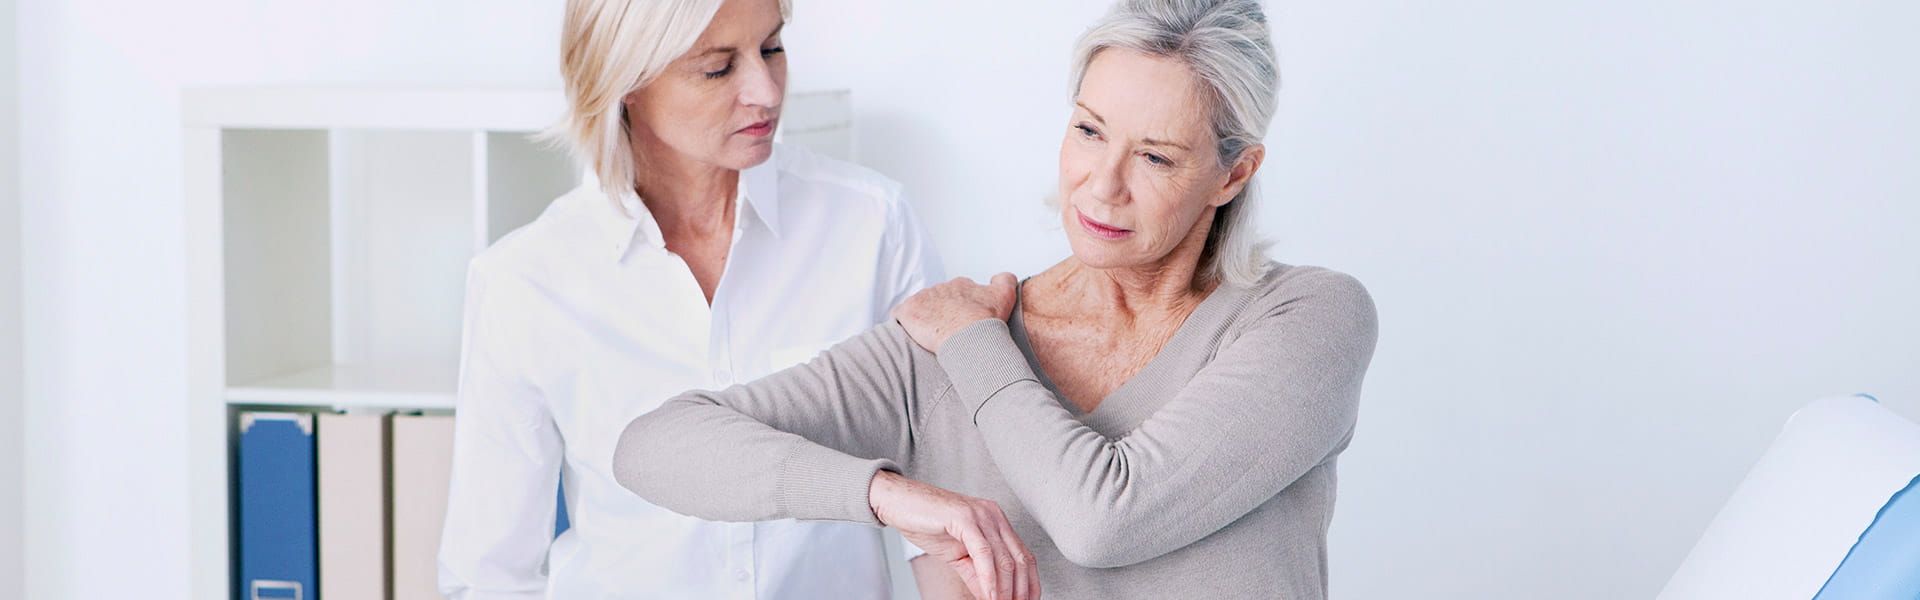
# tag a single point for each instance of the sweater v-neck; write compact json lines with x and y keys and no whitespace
{"x":1107,"y":417}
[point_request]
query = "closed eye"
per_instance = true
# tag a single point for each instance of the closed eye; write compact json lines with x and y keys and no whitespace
{"x":722,"y":72}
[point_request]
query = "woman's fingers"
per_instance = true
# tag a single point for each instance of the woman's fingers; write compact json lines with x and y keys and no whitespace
{"x":970,"y":578}
{"x":1005,"y":288}
{"x":1023,"y":565}
{"x":985,"y":567}
{"x":988,"y":518}
{"x":1011,"y":551}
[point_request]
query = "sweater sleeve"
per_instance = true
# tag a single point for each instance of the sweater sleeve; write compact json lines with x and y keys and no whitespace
{"x":1273,"y":403}
{"x":802,"y":443}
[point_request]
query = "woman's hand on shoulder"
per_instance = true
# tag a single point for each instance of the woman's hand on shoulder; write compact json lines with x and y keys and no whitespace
{"x":936,"y":313}
{"x":969,"y":535}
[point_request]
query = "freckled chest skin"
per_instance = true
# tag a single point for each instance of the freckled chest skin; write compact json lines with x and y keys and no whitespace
{"x":1089,"y":359}
{"x":1089,"y":349}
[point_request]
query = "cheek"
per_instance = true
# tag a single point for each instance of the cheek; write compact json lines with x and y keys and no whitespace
{"x":1073,"y":168}
{"x":778,"y":69}
{"x":1174,"y":207}
{"x":1063,"y":162}
{"x":664,"y":105}
{"x":697,"y":114}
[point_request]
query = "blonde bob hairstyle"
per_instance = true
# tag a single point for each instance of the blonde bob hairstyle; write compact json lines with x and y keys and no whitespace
{"x":1226,"y":44}
{"x":609,"y":48}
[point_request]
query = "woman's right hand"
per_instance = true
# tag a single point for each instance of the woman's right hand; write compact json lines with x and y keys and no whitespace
{"x":970,"y":535}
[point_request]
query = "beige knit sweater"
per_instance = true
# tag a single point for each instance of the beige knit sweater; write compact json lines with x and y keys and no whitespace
{"x":1209,"y":474}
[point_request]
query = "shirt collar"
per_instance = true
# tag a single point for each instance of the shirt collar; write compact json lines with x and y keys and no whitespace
{"x":628,"y":221}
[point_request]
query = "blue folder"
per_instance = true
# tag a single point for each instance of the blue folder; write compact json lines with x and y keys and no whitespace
{"x":279,"y":550}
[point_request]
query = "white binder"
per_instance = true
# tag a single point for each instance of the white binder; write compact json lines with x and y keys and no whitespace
{"x":353,"y":506}
{"x":422,"y":466}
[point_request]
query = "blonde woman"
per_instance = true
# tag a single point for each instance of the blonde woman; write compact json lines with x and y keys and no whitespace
{"x":700,"y":255}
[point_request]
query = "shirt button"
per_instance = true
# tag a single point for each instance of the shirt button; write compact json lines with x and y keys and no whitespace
{"x":741,"y":575}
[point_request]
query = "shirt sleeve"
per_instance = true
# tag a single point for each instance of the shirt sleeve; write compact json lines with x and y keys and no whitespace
{"x":908,"y":263}
{"x":802,"y":443}
{"x":1273,"y":403}
{"x":507,"y":454}
{"x":910,"y":551}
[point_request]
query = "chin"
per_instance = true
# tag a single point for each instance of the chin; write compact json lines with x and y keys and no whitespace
{"x":1096,"y":254}
{"x":747,"y":157}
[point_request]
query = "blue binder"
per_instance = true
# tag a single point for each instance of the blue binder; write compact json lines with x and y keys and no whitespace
{"x":279,"y":548}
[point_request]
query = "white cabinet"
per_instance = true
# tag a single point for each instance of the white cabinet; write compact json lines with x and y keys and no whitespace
{"x":328,"y":236}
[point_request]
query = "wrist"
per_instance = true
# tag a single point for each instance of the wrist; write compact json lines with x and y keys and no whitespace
{"x":879,"y":489}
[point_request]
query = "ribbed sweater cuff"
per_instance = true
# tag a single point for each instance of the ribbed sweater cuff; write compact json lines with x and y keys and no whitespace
{"x":982,"y":360}
{"x":817,"y":483}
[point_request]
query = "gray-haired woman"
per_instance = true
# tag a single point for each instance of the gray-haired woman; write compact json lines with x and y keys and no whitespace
{"x":1157,"y":416}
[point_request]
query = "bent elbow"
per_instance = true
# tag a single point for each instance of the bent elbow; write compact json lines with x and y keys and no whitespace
{"x":1102,"y":545}
{"x":633,"y":456}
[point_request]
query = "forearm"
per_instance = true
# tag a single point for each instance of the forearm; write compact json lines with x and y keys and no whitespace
{"x":698,"y":458}
{"x":798,"y":444}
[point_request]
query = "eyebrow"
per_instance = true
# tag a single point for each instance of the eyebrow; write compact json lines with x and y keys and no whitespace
{"x":1147,"y":141}
{"x":730,"y":49}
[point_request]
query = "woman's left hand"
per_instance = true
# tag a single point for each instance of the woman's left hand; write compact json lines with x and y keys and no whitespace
{"x":936,"y":313}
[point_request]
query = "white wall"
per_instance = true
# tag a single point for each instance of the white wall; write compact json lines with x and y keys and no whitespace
{"x":12,"y":449}
{"x":1613,"y":244}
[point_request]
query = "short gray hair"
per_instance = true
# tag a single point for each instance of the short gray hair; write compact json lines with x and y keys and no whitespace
{"x":1227,"y":46}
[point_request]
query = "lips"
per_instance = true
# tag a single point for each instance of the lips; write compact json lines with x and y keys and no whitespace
{"x":1101,"y":230}
{"x":761,"y":129}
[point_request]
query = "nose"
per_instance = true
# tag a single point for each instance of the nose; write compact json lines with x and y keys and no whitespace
{"x":1107,"y":183}
{"x":759,"y":86}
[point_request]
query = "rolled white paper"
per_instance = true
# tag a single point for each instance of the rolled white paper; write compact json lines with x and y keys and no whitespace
{"x":1799,"y":511}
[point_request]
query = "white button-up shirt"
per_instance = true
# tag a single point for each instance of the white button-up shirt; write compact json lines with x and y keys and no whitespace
{"x":582,"y":320}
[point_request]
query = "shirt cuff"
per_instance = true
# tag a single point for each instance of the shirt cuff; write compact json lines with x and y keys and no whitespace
{"x":910,"y":551}
{"x":981,"y":360}
{"x":817,"y":483}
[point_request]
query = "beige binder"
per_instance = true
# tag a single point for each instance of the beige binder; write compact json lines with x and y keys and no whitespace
{"x":352,"y":467}
{"x":422,"y":465}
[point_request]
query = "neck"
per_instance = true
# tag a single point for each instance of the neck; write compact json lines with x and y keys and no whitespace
{"x":684,"y":196}
{"x":1170,"y":285}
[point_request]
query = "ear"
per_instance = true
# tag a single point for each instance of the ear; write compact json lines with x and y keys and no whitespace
{"x":1241,"y":172}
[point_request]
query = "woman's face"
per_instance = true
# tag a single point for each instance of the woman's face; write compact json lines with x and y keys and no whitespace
{"x":718,"y":104}
{"x":1138,"y":169}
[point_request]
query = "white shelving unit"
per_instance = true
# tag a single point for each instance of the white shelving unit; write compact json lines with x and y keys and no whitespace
{"x":328,"y":234}
{"x":329,"y":231}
